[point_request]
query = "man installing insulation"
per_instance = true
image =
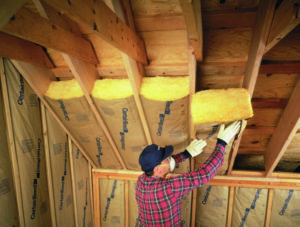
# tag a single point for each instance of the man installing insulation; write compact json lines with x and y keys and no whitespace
{"x":159,"y":198}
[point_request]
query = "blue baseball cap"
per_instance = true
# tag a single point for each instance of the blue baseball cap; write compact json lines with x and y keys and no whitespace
{"x":153,"y":155}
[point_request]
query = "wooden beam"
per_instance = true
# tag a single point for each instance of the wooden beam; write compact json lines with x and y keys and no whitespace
{"x":86,"y":75}
{"x":287,"y":127}
{"x":73,"y":181}
{"x":39,"y":80}
{"x":99,"y":19}
{"x":135,"y":70}
{"x":252,"y":180}
{"x":260,"y":34}
{"x":8,"y":8}
{"x":286,"y":18}
{"x":34,"y":28}
{"x":269,"y":207}
{"x":19,"y":49}
{"x":280,"y":67}
{"x":230,"y":206}
{"x":269,"y":103}
{"x":12,"y":147}
{"x":193,"y":19}
{"x":48,"y":166}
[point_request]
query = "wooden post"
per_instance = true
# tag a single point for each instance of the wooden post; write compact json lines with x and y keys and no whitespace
{"x":97,"y":203}
{"x":230,"y":206}
{"x":12,"y":148}
{"x":269,"y":207}
{"x":126,"y":191}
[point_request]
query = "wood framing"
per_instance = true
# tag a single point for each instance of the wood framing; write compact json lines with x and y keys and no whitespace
{"x":269,"y":103}
{"x":96,"y":209}
{"x":8,"y":9}
{"x":193,"y":19}
{"x":86,"y":75}
{"x":19,"y":49}
{"x":39,"y":80}
{"x":280,"y":67}
{"x":12,"y":147}
{"x":286,"y":129}
{"x":260,"y":34}
{"x":96,"y":17}
{"x":134,"y":69}
{"x":48,"y":165}
{"x":230,"y":206}
{"x":126,"y":196}
{"x":269,"y":207}
{"x":34,"y":28}
{"x":286,"y":18}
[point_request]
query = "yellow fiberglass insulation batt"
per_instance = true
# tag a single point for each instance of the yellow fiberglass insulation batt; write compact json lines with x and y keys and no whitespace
{"x":221,"y":106}
{"x":110,"y":89}
{"x":66,"y":89}
{"x":165,"y":88}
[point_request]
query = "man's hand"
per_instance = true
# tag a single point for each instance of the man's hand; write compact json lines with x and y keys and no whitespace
{"x":226,"y":134}
{"x":196,"y":147}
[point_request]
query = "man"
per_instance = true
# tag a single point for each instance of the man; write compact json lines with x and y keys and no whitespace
{"x":159,"y":198}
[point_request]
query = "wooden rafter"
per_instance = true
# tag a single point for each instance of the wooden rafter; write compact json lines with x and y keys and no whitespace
{"x":39,"y":80}
{"x":193,"y":19}
{"x":19,"y":49}
{"x":286,"y":18}
{"x":134,"y":69}
{"x":260,"y":34}
{"x":96,"y":17}
{"x":34,"y":28}
{"x":8,"y":8}
{"x":287,"y":127}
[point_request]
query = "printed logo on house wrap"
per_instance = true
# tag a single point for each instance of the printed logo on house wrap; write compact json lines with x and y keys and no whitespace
{"x":109,"y":199}
{"x":61,"y":201}
{"x":99,"y":148}
{"x":162,"y":117}
{"x":125,"y":128}
{"x":252,"y":207}
{"x":208,"y":189}
{"x":63,"y":108}
{"x":35,"y":180}
{"x":21,"y":91}
{"x":86,"y":202}
{"x":286,"y":202}
{"x":4,"y":186}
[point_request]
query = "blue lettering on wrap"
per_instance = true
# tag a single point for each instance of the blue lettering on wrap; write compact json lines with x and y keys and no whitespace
{"x":125,"y":128}
{"x":99,"y":148}
{"x":61,"y":201}
{"x":112,"y":196}
{"x":21,"y":91}
{"x":86,"y":202}
{"x":63,"y":108}
{"x":35,"y":181}
{"x":162,"y":117}
{"x":251,"y":207}
{"x":208,"y":189}
{"x":286,"y":202}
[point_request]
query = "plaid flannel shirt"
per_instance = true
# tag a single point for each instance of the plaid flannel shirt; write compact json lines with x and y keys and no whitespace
{"x":159,"y":200}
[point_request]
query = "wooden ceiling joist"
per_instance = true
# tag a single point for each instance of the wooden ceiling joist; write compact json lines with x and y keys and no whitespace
{"x":34,"y":28}
{"x":262,"y":27}
{"x":39,"y":79}
{"x":287,"y":127}
{"x":193,"y":19}
{"x":19,"y":49}
{"x":99,"y":19}
{"x":8,"y":8}
{"x":286,"y":18}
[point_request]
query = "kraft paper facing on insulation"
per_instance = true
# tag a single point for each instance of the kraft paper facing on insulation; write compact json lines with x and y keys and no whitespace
{"x":285,"y":208}
{"x":249,"y":207}
{"x":77,"y":116}
{"x":28,"y":136}
{"x":112,"y":203}
{"x":8,"y":203}
{"x":212,"y":203}
{"x":82,"y":189}
{"x":60,"y":173}
{"x":120,"y":114}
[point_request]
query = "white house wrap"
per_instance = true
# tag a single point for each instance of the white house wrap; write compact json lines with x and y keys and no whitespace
{"x":27,"y":129}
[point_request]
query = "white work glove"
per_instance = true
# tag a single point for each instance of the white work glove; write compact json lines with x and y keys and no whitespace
{"x":196,"y":147}
{"x":226,"y":134}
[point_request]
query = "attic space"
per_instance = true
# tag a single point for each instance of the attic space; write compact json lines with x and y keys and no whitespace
{"x":86,"y":85}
